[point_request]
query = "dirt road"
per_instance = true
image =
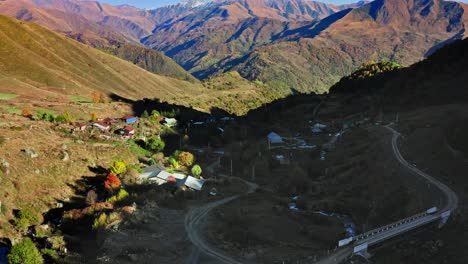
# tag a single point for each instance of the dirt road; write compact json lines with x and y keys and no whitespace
{"x":194,"y":223}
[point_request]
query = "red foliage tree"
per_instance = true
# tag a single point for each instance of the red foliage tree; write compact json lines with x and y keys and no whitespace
{"x":112,"y":182}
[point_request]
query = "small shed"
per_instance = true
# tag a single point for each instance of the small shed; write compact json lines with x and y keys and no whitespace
{"x":101,"y":126}
{"x":129,"y":131}
{"x":274,"y":138}
{"x":81,"y":126}
{"x":194,"y":183}
{"x":151,"y":171}
{"x":169,"y":122}
{"x":129,"y":119}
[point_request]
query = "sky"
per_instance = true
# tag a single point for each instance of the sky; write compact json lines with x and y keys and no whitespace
{"x":159,"y":3}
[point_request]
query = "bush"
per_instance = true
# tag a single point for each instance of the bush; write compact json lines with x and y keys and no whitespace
{"x":118,"y":167}
{"x":25,"y":252}
{"x":155,"y":113}
{"x":131,"y":176}
{"x":46,"y":116}
{"x":112,"y":182}
{"x":100,"y":221}
{"x":26,"y":218}
{"x":155,"y":144}
{"x":121,"y":195}
{"x":196,"y":171}
{"x":174,"y":163}
{"x":145,"y":114}
{"x":185,"y":158}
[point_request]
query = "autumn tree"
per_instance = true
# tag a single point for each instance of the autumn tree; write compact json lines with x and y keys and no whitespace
{"x":185,"y":158}
{"x":94,"y":117}
{"x":112,"y":182}
{"x":26,"y":112}
{"x":118,"y":167}
{"x":97,"y":97}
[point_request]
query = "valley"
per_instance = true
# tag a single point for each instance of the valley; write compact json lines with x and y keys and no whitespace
{"x":237,"y":131}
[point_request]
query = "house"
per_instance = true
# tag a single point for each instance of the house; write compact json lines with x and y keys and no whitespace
{"x":274,"y":138}
{"x":109,"y":121}
{"x":169,"y":122}
{"x":81,"y":126}
{"x":128,"y":131}
{"x":151,"y":171}
{"x":129,"y":119}
{"x":101,"y":126}
{"x":194,"y":183}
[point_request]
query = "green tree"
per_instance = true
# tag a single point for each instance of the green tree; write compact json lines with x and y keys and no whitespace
{"x":145,"y":114}
{"x":196,"y":171}
{"x":118,"y":167}
{"x":155,"y":113}
{"x":155,"y":144}
{"x":67,"y":117}
{"x":24,"y":252}
{"x":173,"y":163}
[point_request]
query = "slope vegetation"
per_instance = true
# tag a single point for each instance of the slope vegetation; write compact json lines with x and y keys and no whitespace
{"x":315,"y":57}
{"x":33,"y":58}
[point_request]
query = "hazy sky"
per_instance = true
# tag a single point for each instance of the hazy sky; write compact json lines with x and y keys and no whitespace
{"x":159,"y":3}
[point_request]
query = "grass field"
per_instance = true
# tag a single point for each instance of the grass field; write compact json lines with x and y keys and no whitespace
{"x":80,"y":99}
{"x":7,"y":96}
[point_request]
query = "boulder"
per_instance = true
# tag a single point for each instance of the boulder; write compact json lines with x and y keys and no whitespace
{"x":30,"y":153}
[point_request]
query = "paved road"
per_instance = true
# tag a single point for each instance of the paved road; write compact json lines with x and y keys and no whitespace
{"x":402,"y":226}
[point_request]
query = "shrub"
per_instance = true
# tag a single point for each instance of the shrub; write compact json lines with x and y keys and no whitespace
{"x":46,"y":116}
{"x":173,"y":163}
{"x":26,"y":218}
{"x":155,"y":113}
{"x":145,"y":114}
{"x":24,"y":252}
{"x":121,"y":195}
{"x":185,"y":158}
{"x":196,"y":171}
{"x":112,"y":182}
{"x":155,"y":144}
{"x":131,"y":176}
{"x":118,"y":167}
{"x":67,"y":117}
{"x":56,"y":242}
{"x":100,"y":221}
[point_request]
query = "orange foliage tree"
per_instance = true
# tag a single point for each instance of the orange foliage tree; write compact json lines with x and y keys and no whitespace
{"x":97,"y":97}
{"x":26,"y":112}
{"x":112,"y":182}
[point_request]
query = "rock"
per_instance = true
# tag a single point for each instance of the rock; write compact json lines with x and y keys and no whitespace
{"x":64,"y":156}
{"x":64,"y":146}
{"x":4,"y":166}
{"x":37,"y":171}
{"x":30,"y":153}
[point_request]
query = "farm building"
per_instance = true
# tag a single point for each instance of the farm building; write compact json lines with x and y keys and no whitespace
{"x":101,"y":126}
{"x":129,"y":119}
{"x":274,"y":138}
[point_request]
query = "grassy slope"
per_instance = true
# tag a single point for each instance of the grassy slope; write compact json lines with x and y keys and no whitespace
{"x":37,"y":64}
{"x":35,"y":58}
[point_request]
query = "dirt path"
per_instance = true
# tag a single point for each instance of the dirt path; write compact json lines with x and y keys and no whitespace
{"x":195,"y":220}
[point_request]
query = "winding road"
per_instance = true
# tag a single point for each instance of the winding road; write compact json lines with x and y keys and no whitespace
{"x":194,"y":219}
{"x":402,"y":226}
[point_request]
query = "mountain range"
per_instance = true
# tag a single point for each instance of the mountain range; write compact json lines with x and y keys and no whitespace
{"x":291,"y":45}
